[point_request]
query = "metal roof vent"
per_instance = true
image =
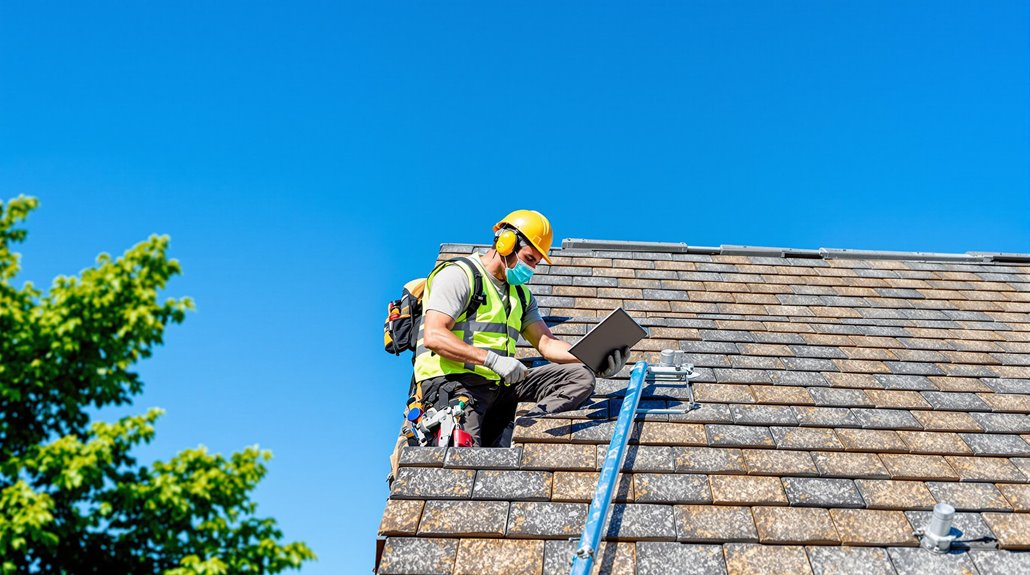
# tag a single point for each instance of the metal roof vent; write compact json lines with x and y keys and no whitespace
{"x":938,"y":535}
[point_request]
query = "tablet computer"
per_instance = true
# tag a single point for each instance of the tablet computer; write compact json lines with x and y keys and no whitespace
{"x":615,"y":331}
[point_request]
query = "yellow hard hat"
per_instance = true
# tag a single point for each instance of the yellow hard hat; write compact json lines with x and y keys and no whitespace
{"x":533,"y":226}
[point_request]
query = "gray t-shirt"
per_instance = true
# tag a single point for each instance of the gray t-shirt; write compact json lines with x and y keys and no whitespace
{"x":450,"y":294}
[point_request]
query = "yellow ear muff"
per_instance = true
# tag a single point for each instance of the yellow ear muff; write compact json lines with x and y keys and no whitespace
{"x":504,"y":242}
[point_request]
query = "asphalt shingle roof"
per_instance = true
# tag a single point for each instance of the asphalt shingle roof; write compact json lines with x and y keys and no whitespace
{"x":841,"y":399}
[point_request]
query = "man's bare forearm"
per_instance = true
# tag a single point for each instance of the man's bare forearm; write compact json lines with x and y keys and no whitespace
{"x":446,"y":344}
{"x":557,"y":351}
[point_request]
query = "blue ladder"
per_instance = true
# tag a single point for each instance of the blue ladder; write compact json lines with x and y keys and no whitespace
{"x":590,"y":539}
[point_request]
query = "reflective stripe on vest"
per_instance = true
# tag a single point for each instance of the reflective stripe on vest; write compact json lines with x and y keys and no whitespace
{"x":490,"y":329}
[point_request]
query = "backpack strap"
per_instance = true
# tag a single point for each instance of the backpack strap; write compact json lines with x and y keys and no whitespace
{"x":523,"y":298}
{"x":478,"y":296}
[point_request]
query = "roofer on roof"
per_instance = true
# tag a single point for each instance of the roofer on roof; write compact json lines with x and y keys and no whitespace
{"x":478,"y":353}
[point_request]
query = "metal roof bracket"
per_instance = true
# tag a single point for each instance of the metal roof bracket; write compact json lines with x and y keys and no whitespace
{"x":624,"y":246}
{"x":1000,"y":257}
{"x":845,"y":254}
{"x":732,"y":250}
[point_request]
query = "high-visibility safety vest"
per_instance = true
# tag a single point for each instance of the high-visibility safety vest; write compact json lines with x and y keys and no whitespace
{"x":492,"y":328}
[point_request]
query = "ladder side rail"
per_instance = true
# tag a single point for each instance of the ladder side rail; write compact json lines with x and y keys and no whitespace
{"x":600,"y":506}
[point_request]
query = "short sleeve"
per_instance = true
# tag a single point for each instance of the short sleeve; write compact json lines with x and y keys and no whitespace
{"x":532,"y":313}
{"x":449,"y":293}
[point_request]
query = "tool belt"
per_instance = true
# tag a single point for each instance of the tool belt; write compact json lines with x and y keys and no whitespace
{"x":429,"y":401}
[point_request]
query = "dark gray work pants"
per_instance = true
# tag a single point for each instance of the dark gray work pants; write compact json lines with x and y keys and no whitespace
{"x":554,"y":387}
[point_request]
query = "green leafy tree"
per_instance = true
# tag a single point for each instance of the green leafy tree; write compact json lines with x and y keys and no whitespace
{"x":72,"y":497}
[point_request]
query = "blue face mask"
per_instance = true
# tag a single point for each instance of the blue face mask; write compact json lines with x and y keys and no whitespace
{"x":519,"y":274}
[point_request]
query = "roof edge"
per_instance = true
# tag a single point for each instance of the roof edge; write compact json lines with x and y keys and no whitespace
{"x":584,"y":245}
{"x":821,"y":253}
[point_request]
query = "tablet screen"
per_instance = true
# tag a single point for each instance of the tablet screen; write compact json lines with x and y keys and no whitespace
{"x":615,"y":331}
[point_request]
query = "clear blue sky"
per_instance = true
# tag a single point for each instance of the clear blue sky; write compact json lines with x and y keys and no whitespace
{"x":308,"y":158}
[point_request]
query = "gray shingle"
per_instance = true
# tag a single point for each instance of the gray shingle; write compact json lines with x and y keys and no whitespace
{"x":955,"y":401}
{"x":1008,"y":385}
{"x":512,"y":485}
{"x":924,"y":355}
{"x":924,"y":314}
{"x":594,"y":281}
{"x":886,"y":419}
{"x":1001,"y":562}
{"x":719,"y":347}
{"x":1013,"y":358}
{"x":969,"y":496}
{"x":799,"y":378}
{"x":909,"y":382}
{"x":549,"y":279}
{"x":408,"y":555}
{"x":913,"y":368}
{"x":838,"y":329}
{"x":924,"y":343}
{"x":840,"y":397}
{"x":483,"y":457}
{"x":700,"y":276}
{"x":809,"y":364}
{"x":820,"y":351}
{"x":1002,"y":422}
{"x":778,"y":337}
{"x":662,"y":558}
{"x":996,"y":444}
{"x":422,"y":456}
{"x":864,"y":271}
{"x":671,"y":488}
{"x":666,"y":295}
{"x":755,"y":362}
{"x":658,"y":274}
{"x":751,"y":376}
{"x":916,"y":561}
{"x":554,"y":301}
{"x":542,"y":520}
{"x":705,"y":413}
{"x":849,"y":560}
{"x":710,"y":360}
{"x":899,"y":293}
{"x":726,"y":336}
{"x":821,"y":492}
{"x":879,"y":313}
{"x":800,"y":300}
{"x":564,"y":270}
{"x":641,"y":522}
{"x":709,"y":460}
{"x":643,"y":458}
{"x":884,"y":331}
{"x":432,"y":483}
{"x":762,"y":415}
{"x":825,"y":417}
{"x":739,"y":436}
{"x":963,"y":370}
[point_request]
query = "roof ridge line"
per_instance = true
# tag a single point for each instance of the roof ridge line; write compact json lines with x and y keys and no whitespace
{"x":577,"y":244}
{"x":821,"y":253}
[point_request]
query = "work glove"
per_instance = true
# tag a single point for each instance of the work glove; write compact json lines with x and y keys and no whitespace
{"x":615,"y":362}
{"x":510,"y":369}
